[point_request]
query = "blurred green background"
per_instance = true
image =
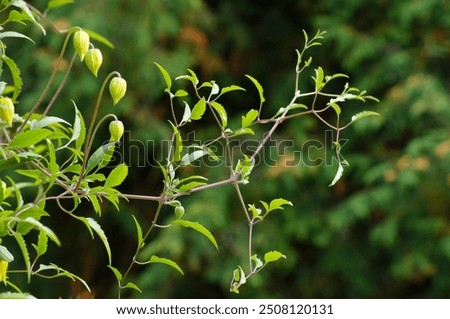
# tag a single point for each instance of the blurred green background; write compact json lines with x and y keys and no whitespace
{"x":382,"y":232}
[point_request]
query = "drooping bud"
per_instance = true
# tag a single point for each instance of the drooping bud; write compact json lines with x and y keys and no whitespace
{"x":6,"y":110}
{"x":3,"y":270}
{"x":179,"y":211}
{"x":81,"y":43}
{"x":2,"y":191}
{"x":117,"y":89}
{"x":94,"y":60}
{"x":116,"y":130}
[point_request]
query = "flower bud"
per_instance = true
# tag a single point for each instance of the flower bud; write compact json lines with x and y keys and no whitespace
{"x":3,"y":270}
{"x":6,"y":110}
{"x":179,"y":211}
{"x":2,"y":191}
{"x":81,"y":43}
{"x":116,"y":130}
{"x":94,"y":59}
{"x":117,"y":89}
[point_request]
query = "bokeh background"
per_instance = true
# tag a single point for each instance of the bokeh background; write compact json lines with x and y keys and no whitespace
{"x":382,"y":232}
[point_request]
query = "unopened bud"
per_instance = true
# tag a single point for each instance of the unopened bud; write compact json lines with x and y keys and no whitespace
{"x":116,"y":130}
{"x":117,"y":89}
{"x":179,"y":211}
{"x":81,"y":43}
{"x":6,"y":110}
{"x":2,"y":191}
{"x":94,"y":60}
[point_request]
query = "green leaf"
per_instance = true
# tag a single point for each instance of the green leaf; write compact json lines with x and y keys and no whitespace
{"x":272,"y":256}
{"x":193,"y":77}
{"x":43,"y":228}
{"x":187,"y":114}
{"x":52,"y":4}
{"x":95,"y":204}
{"x":363,"y":114}
{"x":249,"y":118}
{"x":5,"y":254}
{"x":99,"y":231}
{"x":22,"y":5}
{"x":258,"y":262}
{"x":165,"y":261}
{"x":181,"y":93}
{"x":221,"y":112}
{"x":116,"y":272}
{"x":42,"y":244}
{"x":192,"y":157}
{"x":231,"y":88}
{"x":131,"y":285}
{"x":117,"y":176}
{"x":26,"y":256}
{"x":60,"y":272}
{"x":16,"y":295}
{"x":258,"y":87}
{"x":178,"y":143}
{"x":165,"y":75}
{"x":47,"y":121}
{"x":197,"y":227}
{"x":278,"y":203}
{"x":336,"y":108}
{"x":28,"y":138}
{"x":319,"y":79}
{"x":199,"y":109}
{"x":101,"y":157}
{"x":139,"y":233}
{"x":15,"y":72}
{"x":338,"y":175}
{"x":187,"y":187}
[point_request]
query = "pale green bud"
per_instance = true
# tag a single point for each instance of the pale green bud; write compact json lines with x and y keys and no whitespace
{"x":117,"y":89}
{"x":116,"y":130}
{"x":94,"y":60}
{"x":179,"y":211}
{"x":6,"y":110}
{"x":81,"y":43}
{"x":2,"y":191}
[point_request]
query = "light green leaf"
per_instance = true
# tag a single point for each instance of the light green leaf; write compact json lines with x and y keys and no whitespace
{"x":319,"y":78}
{"x":15,"y":72}
{"x":249,"y":118}
{"x":187,"y":113}
{"x":139,"y":233}
{"x":47,"y":121}
{"x":42,"y":244}
{"x":101,"y":157}
{"x":131,"y":285}
{"x":272,"y":256}
{"x":165,"y":261}
{"x":192,"y":157}
{"x":28,"y":138}
{"x":165,"y":75}
{"x":26,"y":256}
{"x":198,"y":227}
{"x":99,"y":231}
{"x":52,"y":4}
{"x":16,"y":295}
{"x":363,"y":114}
{"x":231,"y":88}
{"x":22,"y":5}
{"x":258,"y":262}
{"x":116,"y":272}
{"x":336,"y":108}
{"x":5,"y":254}
{"x":278,"y":203}
{"x":221,"y":112}
{"x":181,"y":93}
{"x":117,"y":176}
{"x":199,"y":109}
{"x":338,"y":175}
{"x":193,"y":77}
{"x":258,"y":87}
{"x":242,"y":131}
{"x":60,"y":272}
{"x":178,"y":143}
{"x":95,"y":204}
{"x":187,"y":187}
{"x":43,"y":228}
